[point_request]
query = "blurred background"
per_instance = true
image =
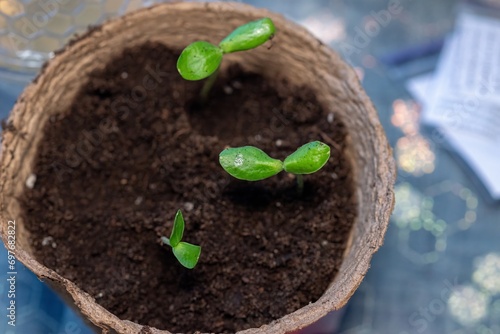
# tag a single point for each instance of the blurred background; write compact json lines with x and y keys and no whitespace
{"x":432,"y":69}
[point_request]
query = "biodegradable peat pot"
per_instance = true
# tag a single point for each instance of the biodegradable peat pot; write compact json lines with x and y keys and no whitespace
{"x":86,"y":151}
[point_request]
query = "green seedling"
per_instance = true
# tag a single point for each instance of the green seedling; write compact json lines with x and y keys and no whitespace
{"x":187,"y":254}
{"x":201,"y":59}
{"x":252,"y":164}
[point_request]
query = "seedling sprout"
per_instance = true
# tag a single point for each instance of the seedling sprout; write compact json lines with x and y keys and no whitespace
{"x":201,"y":59}
{"x":187,"y":254}
{"x":252,"y":164}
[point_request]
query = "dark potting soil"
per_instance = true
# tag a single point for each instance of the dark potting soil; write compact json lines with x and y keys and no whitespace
{"x":135,"y":147}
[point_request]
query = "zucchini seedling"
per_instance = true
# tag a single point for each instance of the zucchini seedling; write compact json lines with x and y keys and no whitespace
{"x":250,"y":163}
{"x":187,"y":254}
{"x":201,"y":59}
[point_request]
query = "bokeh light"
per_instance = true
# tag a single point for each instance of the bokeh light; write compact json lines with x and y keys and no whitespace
{"x":468,"y":305}
{"x":413,"y":152}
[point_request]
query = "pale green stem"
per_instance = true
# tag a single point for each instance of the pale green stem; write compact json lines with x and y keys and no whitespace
{"x":165,"y":240}
{"x":300,"y":183}
{"x":207,"y":86}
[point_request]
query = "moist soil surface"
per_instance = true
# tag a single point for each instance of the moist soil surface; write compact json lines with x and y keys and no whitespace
{"x":136,"y":146}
